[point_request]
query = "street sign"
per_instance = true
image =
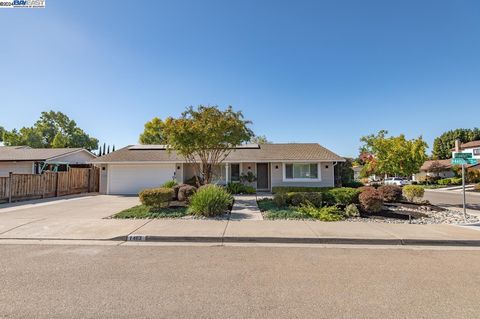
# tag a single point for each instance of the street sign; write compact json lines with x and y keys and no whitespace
{"x":464,"y":161}
{"x":462,"y":155}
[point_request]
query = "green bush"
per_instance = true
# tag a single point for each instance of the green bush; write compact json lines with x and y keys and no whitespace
{"x":450,"y":181}
{"x":238,"y":188}
{"x":345,"y":195}
{"x":280,"y":199}
{"x":390,"y":193}
{"x":156,"y":197}
{"x":185,"y":192}
{"x":353,"y":184}
{"x":477,"y":188}
{"x":352,"y":211}
{"x":292,"y":189}
{"x":326,"y":214}
{"x":305,"y":198}
{"x":169,"y":184}
{"x":210,"y":200}
{"x":413,"y":192}
{"x":473,"y":176}
{"x":371,"y":201}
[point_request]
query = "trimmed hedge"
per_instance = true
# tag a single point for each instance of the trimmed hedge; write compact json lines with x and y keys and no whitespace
{"x":292,"y":189}
{"x":390,"y":193}
{"x":156,"y":197}
{"x":305,"y":198}
{"x":345,"y":195}
{"x":450,"y":181}
{"x":239,"y":188}
{"x":413,"y":192}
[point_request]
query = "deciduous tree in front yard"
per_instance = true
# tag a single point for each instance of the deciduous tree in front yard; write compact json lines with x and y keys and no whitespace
{"x":393,"y":155}
{"x":205,"y":136}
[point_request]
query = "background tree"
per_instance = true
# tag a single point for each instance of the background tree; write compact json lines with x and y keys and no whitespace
{"x":2,"y":130}
{"x":443,"y":145}
{"x":393,"y":155}
{"x":205,"y":136}
{"x":52,"y":130}
{"x":153,"y":132}
{"x":260,"y":139}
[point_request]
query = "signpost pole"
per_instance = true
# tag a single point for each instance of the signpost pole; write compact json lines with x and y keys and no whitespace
{"x":464,"y":196}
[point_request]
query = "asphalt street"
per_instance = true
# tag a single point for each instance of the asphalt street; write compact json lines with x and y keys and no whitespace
{"x":68,"y":281}
{"x":453,"y":198}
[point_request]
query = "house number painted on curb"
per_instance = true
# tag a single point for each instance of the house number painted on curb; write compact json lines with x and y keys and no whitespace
{"x":136,"y":238}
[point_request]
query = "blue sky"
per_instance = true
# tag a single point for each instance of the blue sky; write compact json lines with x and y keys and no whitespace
{"x":302,"y":71}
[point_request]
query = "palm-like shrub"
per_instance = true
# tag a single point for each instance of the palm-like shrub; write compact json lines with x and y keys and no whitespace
{"x":210,"y":200}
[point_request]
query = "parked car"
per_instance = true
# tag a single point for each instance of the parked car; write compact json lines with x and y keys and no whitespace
{"x":395,"y":181}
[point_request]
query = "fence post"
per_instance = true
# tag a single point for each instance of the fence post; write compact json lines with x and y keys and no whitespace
{"x":89,"y":177}
{"x":44,"y":182}
{"x":56,"y":184}
{"x":10,"y":175}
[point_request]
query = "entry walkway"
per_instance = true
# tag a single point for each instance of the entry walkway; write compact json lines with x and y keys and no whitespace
{"x":245,"y":207}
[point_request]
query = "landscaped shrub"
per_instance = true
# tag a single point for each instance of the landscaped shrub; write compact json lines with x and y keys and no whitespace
{"x":450,"y":181}
{"x":371,"y":201}
{"x":352,"y":211}
{"x":473,"y":176}
{"x":156,"y":197}
{"x":366,"y":188}
{"x":280,"y":199}
{"x":326,"y":214}
{"x":353,"y":184}
{"x":238,"y":188}
{"x":305,"y":198}
{"x":390,"y":193}
{"x":477,"y":188}
{"x":185,"y":192}
{"x":169,"y":184}
{"x":290,"y":189}
{"x":345,"y":195}
{"x":210,"y":200}
{"x":413,"y":192}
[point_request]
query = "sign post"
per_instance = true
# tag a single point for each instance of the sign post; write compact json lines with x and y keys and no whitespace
{"x":463,"y":159}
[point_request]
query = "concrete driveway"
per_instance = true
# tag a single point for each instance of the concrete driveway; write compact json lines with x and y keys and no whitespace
{"x":84,"y":207}
{"x":67,"y":218}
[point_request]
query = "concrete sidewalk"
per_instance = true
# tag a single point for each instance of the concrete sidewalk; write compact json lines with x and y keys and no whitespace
{"x":245,"y":231}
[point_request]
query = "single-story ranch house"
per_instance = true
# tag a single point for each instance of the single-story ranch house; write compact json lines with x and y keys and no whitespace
{"x":27,"y":160}
{"x":135,"y":167}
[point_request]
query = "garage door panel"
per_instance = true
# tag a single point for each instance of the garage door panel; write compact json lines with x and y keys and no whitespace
{"x":130,"y":179}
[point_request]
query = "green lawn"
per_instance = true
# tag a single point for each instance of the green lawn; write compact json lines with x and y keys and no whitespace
{"x":142,"y":211}
{"x":272,"y":211}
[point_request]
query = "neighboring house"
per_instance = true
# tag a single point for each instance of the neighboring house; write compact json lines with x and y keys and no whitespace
{"x":133,"y":168}
{"x":435,"y":168}
{"x":470,"y":147}
{"x":26,"y":160}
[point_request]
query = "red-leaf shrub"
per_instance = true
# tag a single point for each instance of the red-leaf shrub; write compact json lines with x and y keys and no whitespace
{"x":371,"y":201}
{"x":390,"y":193}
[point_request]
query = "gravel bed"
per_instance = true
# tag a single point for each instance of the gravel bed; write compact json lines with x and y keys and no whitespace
{"x":431,"y":217}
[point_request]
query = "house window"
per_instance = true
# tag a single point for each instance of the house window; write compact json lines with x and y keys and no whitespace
{"x":301,"y":171}
{"x":476,"y":151}
{"x":235,"y":174}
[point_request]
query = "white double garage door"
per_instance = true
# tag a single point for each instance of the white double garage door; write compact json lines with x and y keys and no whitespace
{"x":132,"y":178}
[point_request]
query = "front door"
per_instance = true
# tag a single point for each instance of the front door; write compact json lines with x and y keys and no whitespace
{"x":262,"y":175}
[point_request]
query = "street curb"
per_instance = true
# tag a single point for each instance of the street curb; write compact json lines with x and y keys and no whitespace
{"x":301,"y":240}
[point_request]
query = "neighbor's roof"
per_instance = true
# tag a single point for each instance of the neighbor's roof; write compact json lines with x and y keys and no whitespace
{"x":252,"y":152}
{"x":446,"y":164}
{"x":470,"y":144}
{"x":25,"y":153}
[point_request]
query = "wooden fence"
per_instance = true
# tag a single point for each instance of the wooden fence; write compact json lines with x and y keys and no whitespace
{"x":49,"y":184}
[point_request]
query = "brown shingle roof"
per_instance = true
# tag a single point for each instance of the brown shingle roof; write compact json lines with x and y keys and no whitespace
{"x":447,"y":164}
{"x":470,"y":144}
{"x":265,"y":152}
{"x":20,"y":153}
